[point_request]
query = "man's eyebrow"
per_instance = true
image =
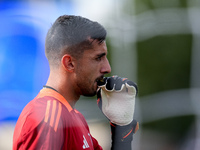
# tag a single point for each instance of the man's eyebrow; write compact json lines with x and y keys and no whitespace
{"x":101,"y":55}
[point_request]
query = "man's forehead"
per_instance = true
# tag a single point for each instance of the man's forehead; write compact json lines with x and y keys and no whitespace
{"x":97,"y":48}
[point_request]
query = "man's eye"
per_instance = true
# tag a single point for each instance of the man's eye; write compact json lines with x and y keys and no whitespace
{"x":98,"y":58}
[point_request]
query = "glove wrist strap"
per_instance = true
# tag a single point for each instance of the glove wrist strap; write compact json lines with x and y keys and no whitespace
{"x":122,"y":136}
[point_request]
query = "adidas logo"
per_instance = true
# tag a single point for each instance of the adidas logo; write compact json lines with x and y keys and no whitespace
{"x":85,"y":143}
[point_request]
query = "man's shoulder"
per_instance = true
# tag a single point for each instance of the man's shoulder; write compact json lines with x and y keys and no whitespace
{"x":40,"y":114}
{"x":44,"y":110}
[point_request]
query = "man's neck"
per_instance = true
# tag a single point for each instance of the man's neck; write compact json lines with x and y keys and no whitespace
{"x":70,"y":96}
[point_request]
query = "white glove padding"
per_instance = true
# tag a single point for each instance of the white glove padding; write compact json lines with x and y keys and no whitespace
{"x":116,"y":99}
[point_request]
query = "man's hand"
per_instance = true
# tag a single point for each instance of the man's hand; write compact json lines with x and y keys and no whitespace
{"x":116,"y":99}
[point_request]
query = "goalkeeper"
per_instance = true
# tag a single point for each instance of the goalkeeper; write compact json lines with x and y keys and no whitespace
{"x":77,"y":54}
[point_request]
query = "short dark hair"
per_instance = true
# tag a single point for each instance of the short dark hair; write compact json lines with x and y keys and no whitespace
{"x":70,"y":34}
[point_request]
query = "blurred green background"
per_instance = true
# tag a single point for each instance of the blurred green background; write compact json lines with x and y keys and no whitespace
{"x":164,"y":36}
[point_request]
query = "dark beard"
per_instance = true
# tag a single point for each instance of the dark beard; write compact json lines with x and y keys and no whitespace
{"x":85,"y":91}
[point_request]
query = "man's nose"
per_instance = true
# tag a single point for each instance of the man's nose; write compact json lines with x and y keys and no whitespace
{"x":106,"y":67}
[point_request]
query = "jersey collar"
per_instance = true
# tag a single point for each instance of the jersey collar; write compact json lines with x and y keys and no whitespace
{"x":52,"y":93}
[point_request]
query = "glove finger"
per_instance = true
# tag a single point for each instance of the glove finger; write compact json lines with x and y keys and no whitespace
{"x":99,"y":99}
{"x":98,"y":93}
{"x":131,"y":87}
{"x":119,"y":83}
{"x":110,"y":83}
{"x":102,"y":102}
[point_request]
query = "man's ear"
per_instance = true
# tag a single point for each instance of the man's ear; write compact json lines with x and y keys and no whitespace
{"x":68,"y":62}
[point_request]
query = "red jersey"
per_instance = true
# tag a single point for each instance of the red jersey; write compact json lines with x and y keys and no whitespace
{"x":48,"y":122}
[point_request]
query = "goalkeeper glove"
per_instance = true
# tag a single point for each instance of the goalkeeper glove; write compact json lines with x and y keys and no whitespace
{"x":116,"y":99}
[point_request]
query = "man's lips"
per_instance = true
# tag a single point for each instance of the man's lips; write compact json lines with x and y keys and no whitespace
{"x":101,"y":81}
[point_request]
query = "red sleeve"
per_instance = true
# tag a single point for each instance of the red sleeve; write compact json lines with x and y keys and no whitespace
{"x":43,"y":137}
{"x":39,"y":129}
{"x":96,"y":144}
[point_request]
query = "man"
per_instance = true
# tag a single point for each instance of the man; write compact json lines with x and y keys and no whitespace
{"x":76,"y":51}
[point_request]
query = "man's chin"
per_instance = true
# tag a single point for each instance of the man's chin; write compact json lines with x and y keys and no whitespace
{"x":90,"y":94}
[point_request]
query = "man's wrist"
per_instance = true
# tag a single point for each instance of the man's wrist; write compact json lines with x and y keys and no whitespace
{"x":124,"y":133}
{"x":122,"y":136}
